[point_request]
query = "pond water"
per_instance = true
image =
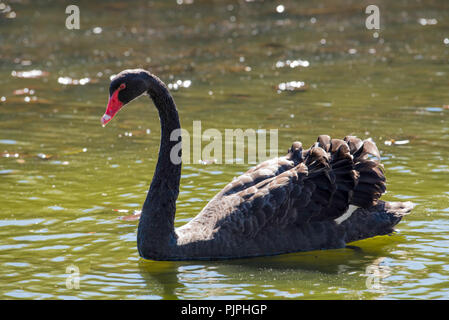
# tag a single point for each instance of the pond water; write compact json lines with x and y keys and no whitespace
{"x":65,"y":181}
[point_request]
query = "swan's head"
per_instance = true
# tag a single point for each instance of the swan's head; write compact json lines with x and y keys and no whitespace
{"x":125,"y":87}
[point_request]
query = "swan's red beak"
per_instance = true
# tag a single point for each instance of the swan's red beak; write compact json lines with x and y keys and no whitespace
{"x":114,"y":105}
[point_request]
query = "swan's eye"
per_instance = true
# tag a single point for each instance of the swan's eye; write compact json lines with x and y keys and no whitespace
{"x":122,"y":86}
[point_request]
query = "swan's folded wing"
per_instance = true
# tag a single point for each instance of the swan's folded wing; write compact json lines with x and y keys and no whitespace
{"x":265,"y":171}
{"x":268,"y":203}
{"x":286,"y":200}
{"x":311,"y":185}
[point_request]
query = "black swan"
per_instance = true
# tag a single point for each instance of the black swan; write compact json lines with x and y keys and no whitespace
{"x":319,"y":198}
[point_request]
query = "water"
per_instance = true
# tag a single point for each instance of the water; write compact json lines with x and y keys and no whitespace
{"x":63,"y":177}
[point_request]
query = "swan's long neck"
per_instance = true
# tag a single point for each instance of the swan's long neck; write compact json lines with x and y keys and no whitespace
{"x":156,"y":233}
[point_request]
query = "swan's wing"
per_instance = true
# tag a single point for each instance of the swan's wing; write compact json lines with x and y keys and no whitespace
{"x":291,"y":197}
{"x":315,"y":184}
{"x":264,"y":171}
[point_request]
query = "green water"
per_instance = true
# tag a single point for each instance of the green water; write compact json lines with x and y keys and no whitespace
{"x":63,"y":176}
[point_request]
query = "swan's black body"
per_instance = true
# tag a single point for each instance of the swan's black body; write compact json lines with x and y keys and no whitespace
{"x":291,"y":203}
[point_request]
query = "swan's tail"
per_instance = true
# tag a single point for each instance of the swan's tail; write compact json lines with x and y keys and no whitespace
{"x":355,"y":178}
{"x":376,"y":220}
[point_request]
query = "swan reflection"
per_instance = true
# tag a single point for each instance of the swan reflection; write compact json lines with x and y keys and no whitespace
{"x":292,"y":276}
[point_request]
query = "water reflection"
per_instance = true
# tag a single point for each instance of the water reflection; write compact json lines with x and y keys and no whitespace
{"x":62,"y":175}
{"x":315,"y":274}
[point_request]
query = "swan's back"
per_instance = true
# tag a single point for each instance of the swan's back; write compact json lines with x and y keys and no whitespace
{"x":291,"y":203}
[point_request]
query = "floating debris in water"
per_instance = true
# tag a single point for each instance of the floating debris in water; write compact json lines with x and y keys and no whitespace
{"x":293,"y":63}
{"x":26,"y":91}
{"x":179,"y":84}
{"x":446,"y":41}
{"x":291,"y":86}
{"x":3,"y":99}
{"x":427,"y":22}
{"x":135,"y":215}
{"x":23,"y":91}
{"x":396,"y":142}
{"x":131,"y":217}
{"x":352,"y":51}
{"x":29,"y":74}
{"x":44,"y":156}
{"x":70,"y":81}
{"x":97,"y":30}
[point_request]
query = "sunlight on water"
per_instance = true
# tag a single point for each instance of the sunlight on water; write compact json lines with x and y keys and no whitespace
{"x":69,"y":187}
